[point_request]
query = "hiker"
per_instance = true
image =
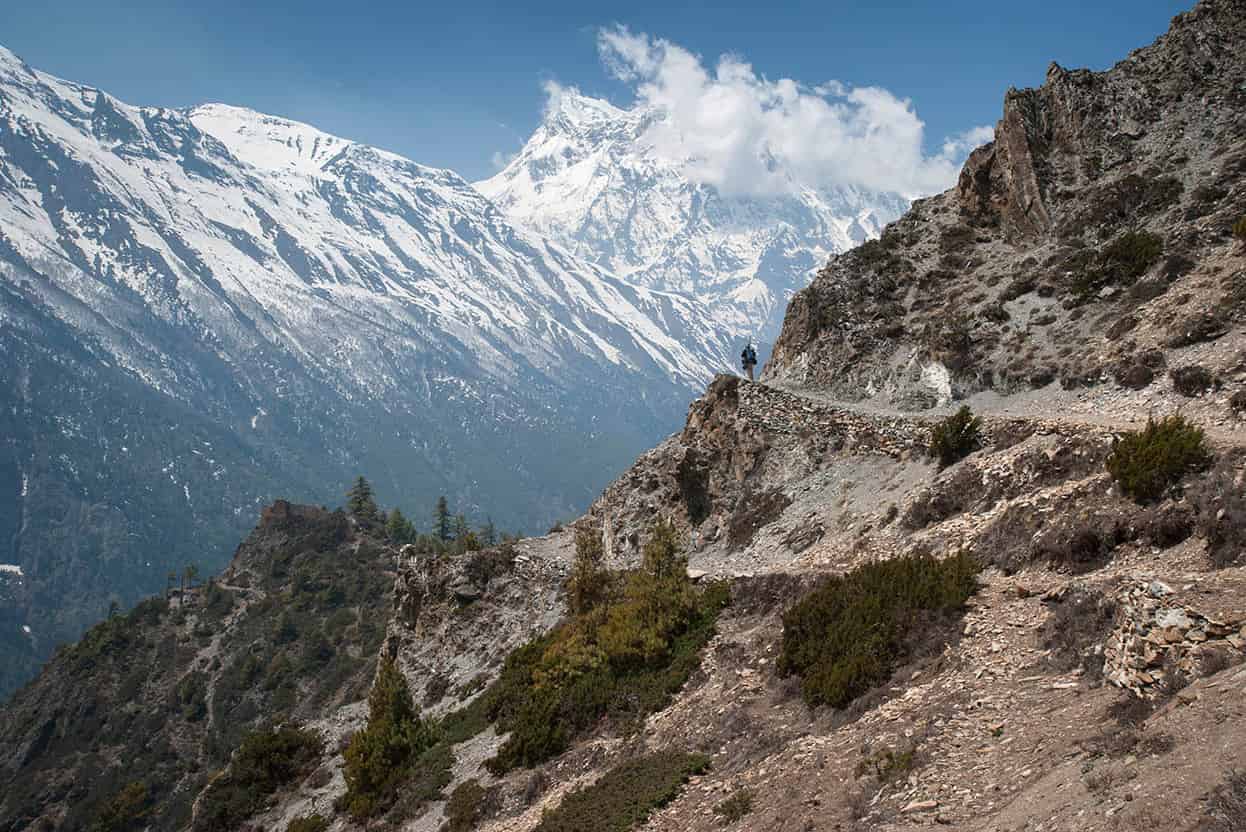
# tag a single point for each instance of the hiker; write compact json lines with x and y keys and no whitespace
{"x":748,"y":358}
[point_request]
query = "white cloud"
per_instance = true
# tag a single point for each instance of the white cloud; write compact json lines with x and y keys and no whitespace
{"x":500,"y":160}
{"x":745,"y":134}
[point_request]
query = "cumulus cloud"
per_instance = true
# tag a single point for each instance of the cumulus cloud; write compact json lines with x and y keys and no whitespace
{"x":746,"y":134}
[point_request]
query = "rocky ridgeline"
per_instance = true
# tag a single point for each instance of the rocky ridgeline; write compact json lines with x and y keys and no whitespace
{"x":743,"y":442}
{"x":1088,"y":245}
{"x":1157,"y":639}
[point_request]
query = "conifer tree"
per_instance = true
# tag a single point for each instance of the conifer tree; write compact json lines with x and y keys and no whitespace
{"x":359,"y":500}
{"x":488,"y":534}
{"x":461,"y":529}
{"x":589,"y":583}
{"x":399,"y":528}
{"x":379,"y":758}
{"x":441,"y":520}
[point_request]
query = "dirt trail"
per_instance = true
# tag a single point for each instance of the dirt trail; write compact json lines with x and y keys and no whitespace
{"x":1111,"y":410}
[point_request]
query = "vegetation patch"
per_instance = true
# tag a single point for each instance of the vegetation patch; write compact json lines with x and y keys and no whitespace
{"x":1192,"y":380}
{"x":1239,"y":229}
{"x":1122,"y":262}
{"x":847,"y":636}
{"x":383,"y":755}
{"x":630,"y":644}
{"x":266,"y":761}
{"x":737,"y":807}
{"x":1226,"y":808}
{"x":468,"y":805}
{"x":625,"y":796}
{"x":308,"y":823}
{"x":955,"y":437}
{"x":888,"y":764}
{"x":126,"y":811}
{"x":1080,"y":540}
{"x":1147,"y":463}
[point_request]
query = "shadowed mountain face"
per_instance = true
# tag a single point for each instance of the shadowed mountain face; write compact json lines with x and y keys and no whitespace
{"x":202,"y":309}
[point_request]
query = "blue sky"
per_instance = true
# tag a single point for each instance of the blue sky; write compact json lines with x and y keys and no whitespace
{"x":453,"y":84}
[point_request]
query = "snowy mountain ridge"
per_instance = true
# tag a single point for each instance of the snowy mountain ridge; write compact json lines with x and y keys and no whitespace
{"x":589,"y":178}
{"x":204,"y":309}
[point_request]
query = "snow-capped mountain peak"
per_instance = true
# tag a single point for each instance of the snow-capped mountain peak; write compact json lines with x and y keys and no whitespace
{"x":268,"y":142}
{"x":570,"y":110}
{"x":590,"y":178}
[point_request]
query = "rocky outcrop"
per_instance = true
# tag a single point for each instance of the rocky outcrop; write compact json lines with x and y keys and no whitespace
{"x":1066,"y":247}
{"x":1159,"y":643}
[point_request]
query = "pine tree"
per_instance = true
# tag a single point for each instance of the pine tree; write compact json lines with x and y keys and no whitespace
{"x":441,"y":520}
{"x":461,"y":529}
{"x":359,"y":500}
{"x":379,"y":757}
{"x":589,"y":583}
{"x":658,"y":600}
{"x":399,"y":528}
{"x":488,"y":534}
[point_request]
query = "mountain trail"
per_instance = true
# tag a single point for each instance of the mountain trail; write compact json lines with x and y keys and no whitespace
{"x":1105,"y":411}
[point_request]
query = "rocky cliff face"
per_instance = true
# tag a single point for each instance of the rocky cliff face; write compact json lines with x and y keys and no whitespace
{"x":1088,"y":245}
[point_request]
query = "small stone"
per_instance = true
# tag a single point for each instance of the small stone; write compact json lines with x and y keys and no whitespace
{"x":920,"y":806}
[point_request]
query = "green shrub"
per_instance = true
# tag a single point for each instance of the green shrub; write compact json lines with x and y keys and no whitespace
{"x":308,"y":823}
{"x":955,"y":437}
{"x":846,"y":637}
{"x":126,"y":811}
{"x":1120,"y":264}
{"x":464,"y":808}
{"x":1129,"y":256}
{"x":1239,"y":229}
{"x":265,"y":761}
{"x":1147,"y":463}
{"x":622,"y":658}
{"x":736,"y":807}
{"x":382,"y":755}
{"x":625,"y":796}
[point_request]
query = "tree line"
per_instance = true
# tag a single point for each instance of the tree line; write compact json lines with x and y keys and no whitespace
{"x":449,"y":533}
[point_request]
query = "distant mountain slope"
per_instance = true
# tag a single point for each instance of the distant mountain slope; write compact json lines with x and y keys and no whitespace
{"x":589,"y":179}
{"x":204,"y":308}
